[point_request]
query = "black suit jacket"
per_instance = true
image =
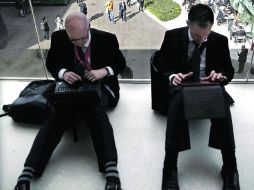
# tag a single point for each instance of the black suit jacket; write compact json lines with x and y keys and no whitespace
{"x":173,"y":54}
{"x":104,"y":52}
{"x":172,"y":58}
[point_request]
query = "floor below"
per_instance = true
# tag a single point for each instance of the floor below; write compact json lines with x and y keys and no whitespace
{"x":140,"y":135}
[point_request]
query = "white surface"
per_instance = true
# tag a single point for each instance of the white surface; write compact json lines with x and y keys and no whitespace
{"x":140,"y":135}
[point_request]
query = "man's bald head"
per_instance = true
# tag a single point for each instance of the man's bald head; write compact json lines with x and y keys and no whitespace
{"x":77,"y":27}
{"x":76,"y":21}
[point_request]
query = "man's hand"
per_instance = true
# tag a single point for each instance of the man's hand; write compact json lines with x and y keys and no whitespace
{"x":180,"y":77}
{"x":214,"y":77}
{"x":95,"y":75}
{"x":71,"y":77}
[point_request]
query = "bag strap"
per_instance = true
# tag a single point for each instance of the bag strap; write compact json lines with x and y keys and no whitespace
{"x":5,"y":108}
{"x":4,"y":114}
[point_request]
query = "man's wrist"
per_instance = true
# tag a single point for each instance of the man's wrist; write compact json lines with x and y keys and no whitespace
{"x":107,"y":70}
{"x":61,"y":73}
{"x":171,"y":78}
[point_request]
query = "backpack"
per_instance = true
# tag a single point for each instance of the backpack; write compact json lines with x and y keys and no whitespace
{"x":32,"y":105}
{"x":42,"y":26}
{"x":159,"y":87}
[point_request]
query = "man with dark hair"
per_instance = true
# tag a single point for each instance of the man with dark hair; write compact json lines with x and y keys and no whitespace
{"x":80,"y":53}
{"x":176,"y":63}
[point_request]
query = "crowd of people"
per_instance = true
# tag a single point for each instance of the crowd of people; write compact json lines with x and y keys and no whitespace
{"x":23,"y":8}
{"x":226,"y":14}
{"x":122,"y":9}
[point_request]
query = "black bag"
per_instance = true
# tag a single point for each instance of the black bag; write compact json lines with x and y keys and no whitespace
{"x":159,"y":89}
{"x":252,"y":70}
{"x":31,"y":106}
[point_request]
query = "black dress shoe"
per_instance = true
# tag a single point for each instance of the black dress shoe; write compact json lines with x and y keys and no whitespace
{"x":230,"y":180}
{"x":113,"y":186}
{"x":170,"y":180}
{"x":22,"y":186}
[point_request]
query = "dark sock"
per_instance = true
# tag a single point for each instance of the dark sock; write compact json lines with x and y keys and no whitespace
{"x":26,"y":175}
{"x":170,"y":162}
{"x":229,"y":160}
{"x":111,"y":172}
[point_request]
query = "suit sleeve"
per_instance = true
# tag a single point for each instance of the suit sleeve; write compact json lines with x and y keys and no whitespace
{"x":54,"y":62}
{"x":165,"y":58}
{"x":118,"y":63}
{"x":226,"y":68}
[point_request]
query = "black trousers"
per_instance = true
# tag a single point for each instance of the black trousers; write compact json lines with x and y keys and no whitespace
{"x":241,"y":66}
{"x":177,"y":133}
{"x":61,"y":118}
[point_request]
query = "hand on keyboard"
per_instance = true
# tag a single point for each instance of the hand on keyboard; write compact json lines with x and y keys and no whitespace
{"x":95,"y":75}
{"x":71,"y":77}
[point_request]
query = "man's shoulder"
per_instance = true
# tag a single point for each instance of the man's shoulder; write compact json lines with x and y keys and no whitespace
{"x":216,"y":36}
{"x":59,"y":34}
{"x":177,"y":32}
{"x":101,"y":33}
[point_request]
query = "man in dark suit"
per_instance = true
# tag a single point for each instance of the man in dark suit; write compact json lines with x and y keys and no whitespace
{"x":242,"y":57}
{"x":122,"y":10}
{"x":78,"y":53}
{"x":175,"y":62}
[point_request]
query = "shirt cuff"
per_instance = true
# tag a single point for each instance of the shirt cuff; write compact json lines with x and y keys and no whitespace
{"x":110,"y":71}
{"x":61,"y":73}
{"x":171,"y":77}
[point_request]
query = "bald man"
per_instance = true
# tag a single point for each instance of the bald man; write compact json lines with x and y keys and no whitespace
{"x":71,"y":51}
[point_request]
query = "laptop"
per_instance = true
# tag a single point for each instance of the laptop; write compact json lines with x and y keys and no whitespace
{"x":203,"y":100}
{"x":88,"y":93}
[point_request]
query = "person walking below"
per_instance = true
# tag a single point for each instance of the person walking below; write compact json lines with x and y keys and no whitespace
{"x":45,"y":28}
{"x":122,"y":10}
{"x":141,"y":5}
{"x":82,"y":7}
{"x":242,"y":58}
{"x":109,"y":9}
{"x":59,"y":23}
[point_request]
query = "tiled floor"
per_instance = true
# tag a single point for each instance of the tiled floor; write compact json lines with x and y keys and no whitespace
{"x":140,"y":135}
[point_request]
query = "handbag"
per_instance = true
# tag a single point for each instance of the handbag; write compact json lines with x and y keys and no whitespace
{"x":31,"y":106}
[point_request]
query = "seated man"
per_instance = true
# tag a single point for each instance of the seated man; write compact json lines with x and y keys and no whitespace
{"x":237,"y":31}
{"x":196,"y":53}
{"x":76,"y":53}
{"x":220,"y":17}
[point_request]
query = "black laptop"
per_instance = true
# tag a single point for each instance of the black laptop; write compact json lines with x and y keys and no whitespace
{"x":203,"y":100}
{"x":85,"y":92}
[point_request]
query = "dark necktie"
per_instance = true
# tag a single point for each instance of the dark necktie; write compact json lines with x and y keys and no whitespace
{"x":196,"y":59}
